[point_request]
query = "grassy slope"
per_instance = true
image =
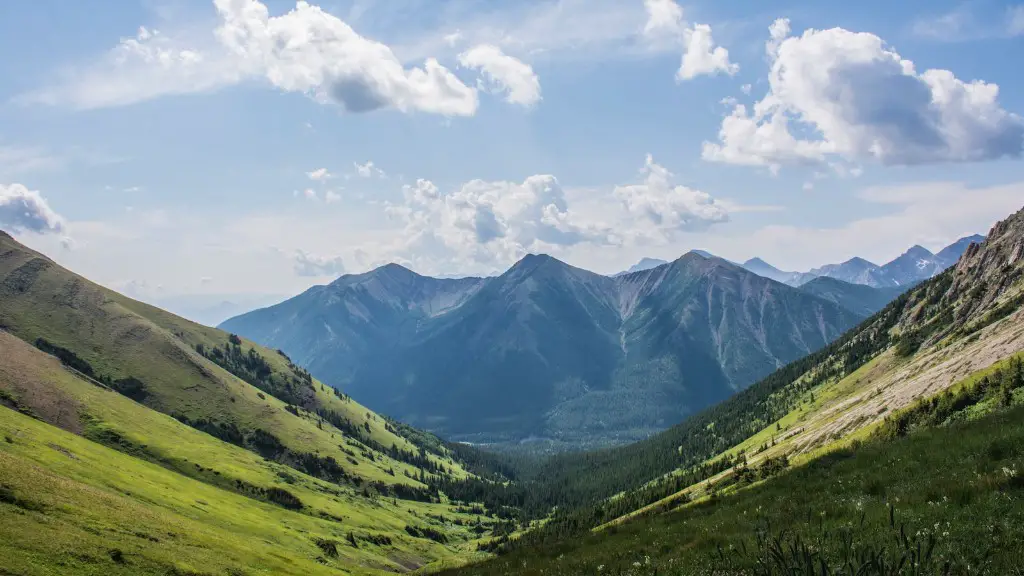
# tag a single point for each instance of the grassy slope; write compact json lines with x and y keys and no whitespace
{"x":121,"y":337}
{"x":839,"y":412}
{"x":962,"y":483}
{"x":39,"y":384}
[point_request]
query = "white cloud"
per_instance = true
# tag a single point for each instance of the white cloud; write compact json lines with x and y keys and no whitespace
{"x":967,"y":23}
{"x":22,"y":210}
{"x":306,"y":50}
{"x":1015,"y":20}
{"x":319,"y":174}
{"x":549,"y":29}
{"x":453,"y":38}
{"x":492,"y":223}
{"x":746,"y":89}
{"x":21,"y":159}
{"x":308,"y":194}
{"x":503,"y":73}
{"x":664,"y":17}
{"x":665,"y":22}
{"x":932,"y":214}
{"x":313,"y":265}
{"x":702,"y":57}
{"x":331,"y":197}
{"x":369,"y":170}
{"x":948,"y":27}
{"x":866,"y":102}
{"x":664,"y":208}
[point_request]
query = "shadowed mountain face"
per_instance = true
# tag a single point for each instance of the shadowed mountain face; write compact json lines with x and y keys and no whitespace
{"x":548,"y":350}
{"x":857,"y":298}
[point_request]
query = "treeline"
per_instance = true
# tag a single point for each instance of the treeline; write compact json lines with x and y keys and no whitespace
{"x":577,"y":486}
{"x":295,"y":388}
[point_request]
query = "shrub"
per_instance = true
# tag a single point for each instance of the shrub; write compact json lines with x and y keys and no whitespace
{"x":329,"y":547}
{"x":284,"y":498}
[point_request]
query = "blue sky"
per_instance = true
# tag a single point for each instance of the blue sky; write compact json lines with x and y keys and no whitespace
{"x":236,"y":149}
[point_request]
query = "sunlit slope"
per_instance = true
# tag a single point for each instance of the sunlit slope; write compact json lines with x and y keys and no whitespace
{"x":119,"y":338}
{"x":162,"y":452}
{"x":952,"y":329}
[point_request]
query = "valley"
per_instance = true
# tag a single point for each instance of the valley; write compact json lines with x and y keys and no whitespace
{"x":541,"y":288}
{"x":241,"y":444}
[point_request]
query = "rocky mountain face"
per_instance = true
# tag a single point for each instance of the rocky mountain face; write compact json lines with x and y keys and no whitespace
{"x":547,"y":350}
{"x":988,"y":274}
{"x":911,"y":267}
{"x":330,"y":329}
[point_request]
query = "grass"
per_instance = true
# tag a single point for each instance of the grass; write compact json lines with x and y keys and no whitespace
{"x":87,"y":500}
{"x":120,"y":337}
{"x":163,"y":465}
{"x":961,"y":485}
{"x":818,"y":409}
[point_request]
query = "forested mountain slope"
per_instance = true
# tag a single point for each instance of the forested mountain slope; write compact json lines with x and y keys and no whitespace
{"x":931,"y":337}
{"x":548,"y":350}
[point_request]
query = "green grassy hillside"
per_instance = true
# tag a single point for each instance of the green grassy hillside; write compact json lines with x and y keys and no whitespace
{"x":177,"y":370}
{"x":944,"y":500}
{"x":139,"y":442}
{"x":963,"y":321}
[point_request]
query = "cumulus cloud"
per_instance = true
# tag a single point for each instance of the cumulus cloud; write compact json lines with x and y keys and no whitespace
{"x":369,"y":170}
{"x":503,"y":73}
{"x":867,"y":103}
{"x":319,"y":174}
{"x":306,"y":50}
{"x":331,"y":197}
{"x":493,"y":222}
{"x":665,"y":22}
{"x":660,"y":205}
{"x":313,"y":265}
{"x":22,"y":210}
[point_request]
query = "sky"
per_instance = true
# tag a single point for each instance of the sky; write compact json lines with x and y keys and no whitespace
{"x":207,"y":150}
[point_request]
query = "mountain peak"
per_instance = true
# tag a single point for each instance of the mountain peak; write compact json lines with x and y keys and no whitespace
{"x":643,"y":264}
{"x":858,"y":261}
{"x":918,"y":251}
{"x":756,"y":262}
{"x":534,"y":260}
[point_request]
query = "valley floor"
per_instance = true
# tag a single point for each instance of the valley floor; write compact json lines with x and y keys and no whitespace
{"x":958,"y":489}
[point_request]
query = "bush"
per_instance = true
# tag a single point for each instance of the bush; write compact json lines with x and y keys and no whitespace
{"x":329,"y":547}
{"x":284,"y":498}
{"x":67,"y":357}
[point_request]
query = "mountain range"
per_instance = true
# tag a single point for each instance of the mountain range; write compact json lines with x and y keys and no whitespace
{"x":911,"y":267}
{"x":547,"y":350}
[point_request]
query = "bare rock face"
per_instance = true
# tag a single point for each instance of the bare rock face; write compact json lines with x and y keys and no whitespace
{"x":986,"y":271}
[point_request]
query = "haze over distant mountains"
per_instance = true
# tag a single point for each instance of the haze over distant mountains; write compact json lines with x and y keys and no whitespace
{"x":911,"y":267}
{"x":547,"y":350}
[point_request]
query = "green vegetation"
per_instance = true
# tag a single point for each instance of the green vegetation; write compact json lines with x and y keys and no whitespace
{"x":170,"y":424}
{"x":135,"y":442}
{"x":954,"y":490}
